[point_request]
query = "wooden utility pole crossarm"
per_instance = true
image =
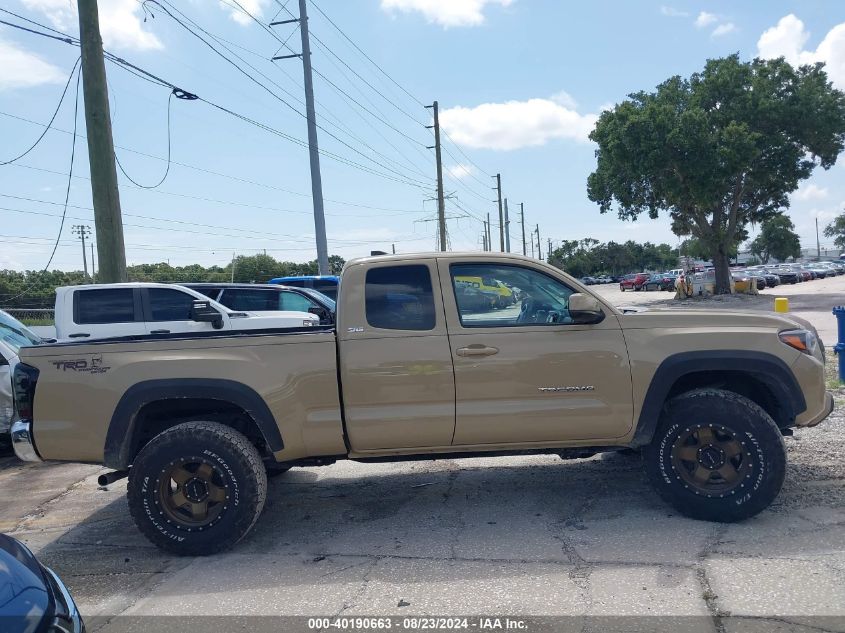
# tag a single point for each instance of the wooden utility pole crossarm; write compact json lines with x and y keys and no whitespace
{"x":104,"y":192}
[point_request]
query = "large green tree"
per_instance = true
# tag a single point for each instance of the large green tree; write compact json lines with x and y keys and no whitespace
{"x":718,"y":150}
{"x":777,"y":239}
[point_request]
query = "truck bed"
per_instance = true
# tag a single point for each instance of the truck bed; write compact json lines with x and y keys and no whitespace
{"x":107,"y":382}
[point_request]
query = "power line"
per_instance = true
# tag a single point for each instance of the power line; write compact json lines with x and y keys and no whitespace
{"x":379,"y":68}
{"x":167,"y":169}
{"x":410,"y":180}
{"x":52,"y":118}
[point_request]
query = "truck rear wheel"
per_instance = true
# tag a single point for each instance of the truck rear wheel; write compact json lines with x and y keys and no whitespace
{"x":716,"y":456}
{"x":197,"y":488}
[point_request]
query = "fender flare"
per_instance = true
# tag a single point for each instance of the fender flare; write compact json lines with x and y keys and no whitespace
{"x":121,"y":436}
{"x":766,"y":368}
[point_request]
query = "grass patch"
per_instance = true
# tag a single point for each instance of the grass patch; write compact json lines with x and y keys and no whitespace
{"x":37,"y":321}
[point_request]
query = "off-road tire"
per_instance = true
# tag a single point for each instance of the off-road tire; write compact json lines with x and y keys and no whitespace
{"x":237,"y":470}
{"x":621,"y":288}
{"x":747,"y":427}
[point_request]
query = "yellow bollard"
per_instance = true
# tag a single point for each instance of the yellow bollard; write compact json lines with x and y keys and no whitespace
{"x":781,"y":304}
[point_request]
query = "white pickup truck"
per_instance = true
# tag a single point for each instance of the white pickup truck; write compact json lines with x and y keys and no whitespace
{"x":132,"y":309}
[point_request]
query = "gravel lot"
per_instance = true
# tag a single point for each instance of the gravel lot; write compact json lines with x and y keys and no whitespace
{"x":521,"y":536}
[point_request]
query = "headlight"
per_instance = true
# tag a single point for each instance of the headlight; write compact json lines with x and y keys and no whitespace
{"x":307,"y":323}
{"x":802,"y":340}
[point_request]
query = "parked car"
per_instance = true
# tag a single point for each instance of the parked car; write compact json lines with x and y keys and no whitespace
{"x":133,"y":309}
{"x":772,"y":279}
{"x":13,"y":336}
{"x":787,"y":275}
{"x":33,"y":599}
{"x":410,"y":372}
{"x":327,"y":284}
{"x":259,"y":298}
{"x":658,"y":281}
{"x":742,"y":281}
{"x":588,"y":281}
{"x":501,"y":295}
{"x":633,"y":281}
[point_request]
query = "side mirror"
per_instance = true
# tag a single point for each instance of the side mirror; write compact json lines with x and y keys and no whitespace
{"x":585,"y":309}
{"x":202,"y":312}
{"x":320,"y":312}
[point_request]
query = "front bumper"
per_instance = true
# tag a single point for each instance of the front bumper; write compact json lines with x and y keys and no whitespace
{"x":828,"y":409}
{"x":66,"y":617}
{"x":22,"y":441}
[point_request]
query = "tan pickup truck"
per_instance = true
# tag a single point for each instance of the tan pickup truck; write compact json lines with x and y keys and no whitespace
{"x":422,"y":365}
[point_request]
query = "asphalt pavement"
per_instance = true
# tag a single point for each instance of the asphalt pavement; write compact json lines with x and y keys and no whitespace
{"x":509,"y":536}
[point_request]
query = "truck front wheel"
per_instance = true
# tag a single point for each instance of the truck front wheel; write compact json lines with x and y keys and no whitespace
{"x":197,"y":488}
{"x":716,"y":456}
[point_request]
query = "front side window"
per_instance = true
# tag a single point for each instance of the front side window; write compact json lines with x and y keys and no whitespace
{"x":170,"y":305}
{"x":295,"y":302}
{"x":400,"y":298}
{"x":511,"y":296}
{"x":250,"y":300}
{"x":107,"y":305}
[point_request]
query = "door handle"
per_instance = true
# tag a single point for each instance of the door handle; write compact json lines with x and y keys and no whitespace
{"x":79,"y":335}
{"x":477,"y":350}
{"x":159,"y":331}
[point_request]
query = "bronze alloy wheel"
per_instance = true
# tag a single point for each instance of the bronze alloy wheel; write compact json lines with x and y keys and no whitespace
{"x":710,"y":460}
{"x":192,"y":493}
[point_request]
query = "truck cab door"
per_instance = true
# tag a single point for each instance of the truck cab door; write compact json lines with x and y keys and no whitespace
{"x":528,"y":371}
{"x":395,"y":361}
{"x":168,"y":311}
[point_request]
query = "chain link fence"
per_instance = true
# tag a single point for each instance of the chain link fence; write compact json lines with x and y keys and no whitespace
{"x":33,"y":316}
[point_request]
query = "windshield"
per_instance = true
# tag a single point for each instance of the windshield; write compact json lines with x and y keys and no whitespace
{"x":16,"y":334}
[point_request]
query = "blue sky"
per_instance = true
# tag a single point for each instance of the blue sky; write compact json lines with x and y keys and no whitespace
{"x":519,"y":84}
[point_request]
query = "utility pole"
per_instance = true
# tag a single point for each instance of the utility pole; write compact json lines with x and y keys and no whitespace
{"x":549,"y":256}
{"x":484,"y":238}
{"x":93,"y":270}
{"x":104,"y":191}
{"x":539,"y":249}
{"x":489,"y":234}
{"x":818,"y":244}
{"x":532,"y":246}
{"x":501,"y":216}
{"x":522,"y":221}
{"x":394,"y":248}
{"x":82,"y":230}
{"x":507,"y":229}
{"x":313,"y":148}
{"x":441,"y":203}
{"x":233,"y":267}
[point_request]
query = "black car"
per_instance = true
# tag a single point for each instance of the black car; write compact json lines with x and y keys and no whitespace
{"x":32,"y":597}
{"x":269,"y":297}
{"x":787,"y":276}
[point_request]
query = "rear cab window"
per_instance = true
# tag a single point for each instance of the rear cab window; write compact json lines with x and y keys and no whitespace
{"x":105,"y":305}
{"x":400,"y":298}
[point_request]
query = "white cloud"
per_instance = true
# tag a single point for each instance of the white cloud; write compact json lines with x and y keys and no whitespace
{"x":705,"y":19}
{"x":445,"y":12}
{"x":460,"y":171}
{"x":811,"y":192}
{"x":565,"y":99}
{"x":672,"y":12}
{"x":723,"y":29}
{"x":515,"y":124}
{"x":121,"y":22}
{"x":255,"y":7}
{"x":22,"y":69}
{"x":788,"y":39}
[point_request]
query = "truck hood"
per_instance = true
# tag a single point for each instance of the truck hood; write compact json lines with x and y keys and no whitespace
{"x":636,"y":318}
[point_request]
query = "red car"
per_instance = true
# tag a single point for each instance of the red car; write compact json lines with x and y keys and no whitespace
{"x":633,"y":282}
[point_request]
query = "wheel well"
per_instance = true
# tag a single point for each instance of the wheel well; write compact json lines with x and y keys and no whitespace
{"x":753,"y":386}
{"x":155,"y":417}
